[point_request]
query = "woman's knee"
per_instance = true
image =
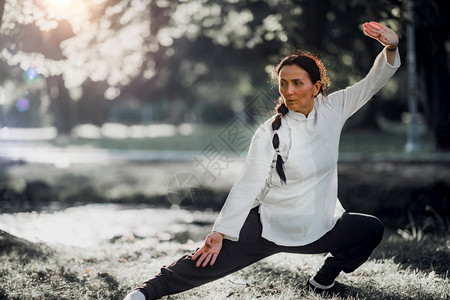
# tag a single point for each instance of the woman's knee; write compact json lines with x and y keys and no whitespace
{"x":367,"y":227}
{"x":374,"y":229}
{"x":377,"y":227}
{"x":377,"y":230}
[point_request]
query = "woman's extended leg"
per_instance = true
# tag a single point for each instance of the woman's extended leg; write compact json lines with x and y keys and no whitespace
{"x":183,"y":274}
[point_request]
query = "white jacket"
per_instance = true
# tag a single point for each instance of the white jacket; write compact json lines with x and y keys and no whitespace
{"x":306,"y":207}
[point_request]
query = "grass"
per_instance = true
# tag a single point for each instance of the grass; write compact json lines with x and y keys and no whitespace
{"x":398,"y":269}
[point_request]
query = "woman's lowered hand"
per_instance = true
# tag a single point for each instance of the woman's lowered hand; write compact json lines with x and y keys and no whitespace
{"x":210,"y":250}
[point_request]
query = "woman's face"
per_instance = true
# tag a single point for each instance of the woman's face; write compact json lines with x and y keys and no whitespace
{"x":297,"y":89}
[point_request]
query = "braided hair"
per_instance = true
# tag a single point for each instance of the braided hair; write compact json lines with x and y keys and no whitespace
{"x":316,"y":72}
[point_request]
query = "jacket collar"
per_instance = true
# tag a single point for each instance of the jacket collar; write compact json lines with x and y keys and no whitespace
{"x":299,"y":117}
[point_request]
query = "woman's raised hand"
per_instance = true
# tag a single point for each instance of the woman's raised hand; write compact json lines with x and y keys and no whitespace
{"x":381,"y":33}
{"x":210,"y":250}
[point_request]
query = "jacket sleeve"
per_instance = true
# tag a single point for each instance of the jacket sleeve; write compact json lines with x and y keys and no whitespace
{"x":248,"y":185}
{"x":351,"y":99}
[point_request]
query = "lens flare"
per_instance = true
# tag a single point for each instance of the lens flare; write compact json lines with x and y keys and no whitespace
{"x":30,"y":75}
{"x":23,"y":104}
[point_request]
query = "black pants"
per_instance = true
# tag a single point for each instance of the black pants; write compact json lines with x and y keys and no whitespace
{"x":350,"y":243}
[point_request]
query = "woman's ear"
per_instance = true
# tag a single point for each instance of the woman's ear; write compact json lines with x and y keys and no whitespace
{"x":317,"y":88}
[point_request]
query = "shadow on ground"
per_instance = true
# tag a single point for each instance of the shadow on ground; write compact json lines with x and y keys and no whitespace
{"x":431,"y":254}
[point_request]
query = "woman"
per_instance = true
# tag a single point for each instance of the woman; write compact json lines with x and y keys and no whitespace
{"x":286,"y":197}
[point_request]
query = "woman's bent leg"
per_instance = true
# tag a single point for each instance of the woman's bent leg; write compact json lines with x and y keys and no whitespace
{"x":183,"y":274}
{"x":351,"y":242}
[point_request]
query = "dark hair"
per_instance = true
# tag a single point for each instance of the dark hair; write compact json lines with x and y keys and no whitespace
{"x":316,"y":72}
{"x":308,"y":62}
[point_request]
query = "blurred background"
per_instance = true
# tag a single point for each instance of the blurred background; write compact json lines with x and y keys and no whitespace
{"x":87,"y":85}
{"x":84,"y":71}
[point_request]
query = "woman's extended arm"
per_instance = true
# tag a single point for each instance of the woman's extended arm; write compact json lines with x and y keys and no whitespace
{"x":385,"y":36}
{"x":346,"y":102}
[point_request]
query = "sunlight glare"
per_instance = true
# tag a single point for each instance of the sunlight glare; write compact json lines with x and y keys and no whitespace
{"x":93,"y":224}
{"x":75,"y":11}
{"x":58,"y":2}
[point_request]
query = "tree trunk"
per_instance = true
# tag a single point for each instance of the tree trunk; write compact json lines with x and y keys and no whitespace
{"x":432,"y":36}
{"x":438,"y":92}
{"x":2,"y":10}
{"x":63,"y":107}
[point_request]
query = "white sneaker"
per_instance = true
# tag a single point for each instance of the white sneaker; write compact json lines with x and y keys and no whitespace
{"x":134,"y":295}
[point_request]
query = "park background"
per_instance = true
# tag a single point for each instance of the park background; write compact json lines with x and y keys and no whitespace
{"x":123,"y":124}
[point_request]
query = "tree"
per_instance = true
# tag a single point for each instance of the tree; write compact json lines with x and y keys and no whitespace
{"x":2,"y":9}
{"x":432,"y":31}
{"x":106,"y":42}
{"x":202,"y":52}
{"x":131,"y":47}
